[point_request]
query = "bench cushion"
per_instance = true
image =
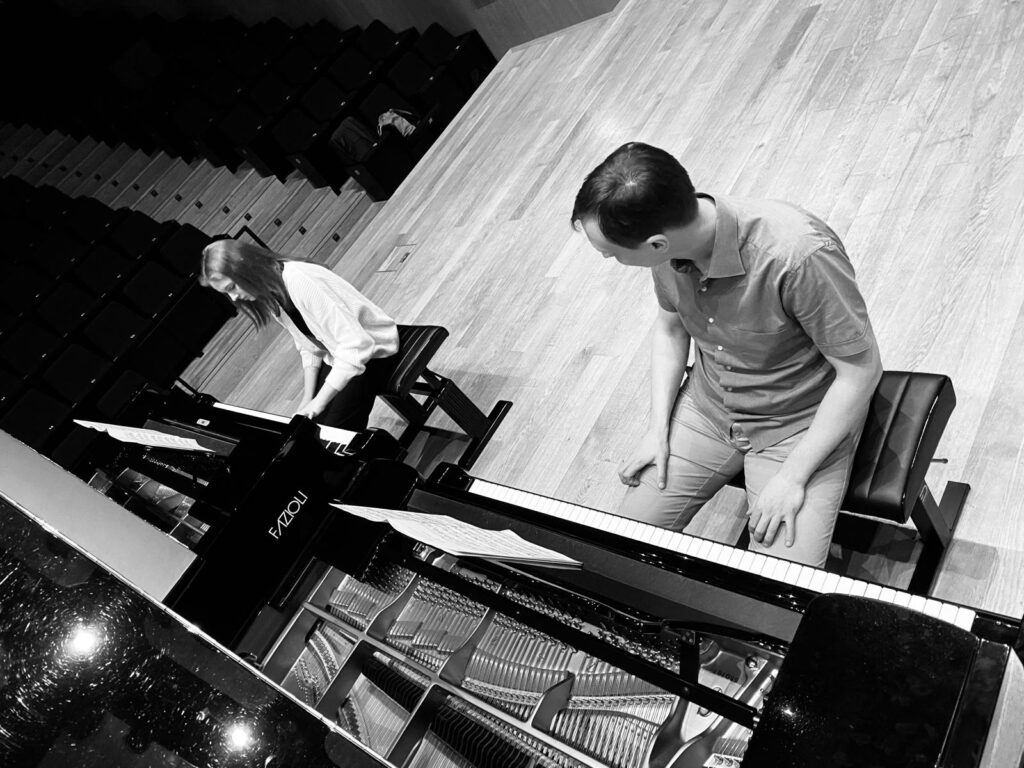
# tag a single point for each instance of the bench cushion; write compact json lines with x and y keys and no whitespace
{"x":907,"y":417}
{"x":417,"y":345}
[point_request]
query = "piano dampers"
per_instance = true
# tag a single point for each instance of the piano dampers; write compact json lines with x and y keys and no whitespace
{"x":461,"y":735}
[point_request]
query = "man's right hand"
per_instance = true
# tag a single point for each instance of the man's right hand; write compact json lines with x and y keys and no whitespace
{"x":653,"y":449}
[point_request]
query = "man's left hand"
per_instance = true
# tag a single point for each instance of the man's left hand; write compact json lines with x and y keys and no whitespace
{"x":780,"y":500}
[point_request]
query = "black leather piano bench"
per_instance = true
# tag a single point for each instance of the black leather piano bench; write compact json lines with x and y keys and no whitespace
{"x":410,"y":378}
{"x":905,"y":421}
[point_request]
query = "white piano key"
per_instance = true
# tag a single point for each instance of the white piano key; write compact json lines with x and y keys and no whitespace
{"x":948,"y":613}
{"x":805,"y":576}
{"x":683,"y":543}
{"x":631,"y":530}
{"x":916,"y":603}
{"x":250,"y":412}
{"x":787,"y":571}
{"x":762,"y":565}
{"x":902,"y":598}
{"x":620,"y":525}
{"x":336,"y":435}
{"x":888,"y":595}
{"x":719,"y":553}
{"x":572,"y":513}
{"x":735,"y":556}
{"x":776,"y":569}
{"x":818,"y":580}
{"x":663,"y":538}
{"x":932,"y":607}
{"x":555,"y":508}
{"x":521,"y":499}
{"x":747,"y":562}
{"x":859,"y":588}
{"x":845,"y":585}
{"x":703,"y":546}
{"x":604,"y":522}
{"x":545,"y":505}
{"x":964,"y":618}
{"x":793,"y":574}
{"x":873,"y":591}
{"x":831,"y":583}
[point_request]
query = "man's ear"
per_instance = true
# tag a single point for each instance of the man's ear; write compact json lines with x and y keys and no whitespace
{"x":657,"y":242}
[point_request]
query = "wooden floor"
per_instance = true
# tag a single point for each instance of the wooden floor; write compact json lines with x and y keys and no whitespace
{"x":898,"y":121}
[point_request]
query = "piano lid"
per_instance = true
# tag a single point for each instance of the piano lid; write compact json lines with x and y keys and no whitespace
{"x":94,"y":673}
{"x":866,"y":683}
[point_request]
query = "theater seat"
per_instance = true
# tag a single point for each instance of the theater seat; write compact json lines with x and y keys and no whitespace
{"x":152,"y":289}
{"x":75,"y":449}
{"x":119,"y":394}
{"x":135,"y":235}
{"x":34,"y":417}
{"x":103,"y":270}
{"x":29,"y":347}
{"x":197,"y":316}
{"x":114,"y":330}
{"x":182,"y":251}
{"x":75,"y":372}
{"x":67,"y":308}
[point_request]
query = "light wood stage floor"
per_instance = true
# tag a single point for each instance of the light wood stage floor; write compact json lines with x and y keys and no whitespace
{"x":898,"y":121}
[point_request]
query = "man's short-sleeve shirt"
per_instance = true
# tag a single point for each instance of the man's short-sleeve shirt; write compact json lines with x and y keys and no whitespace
{"x":780,"y":293}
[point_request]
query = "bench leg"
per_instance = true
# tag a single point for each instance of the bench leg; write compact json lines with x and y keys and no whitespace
{"x":463,"y":411}
{"x":935,"y":522}
{"x":413,"y":412}
{"x":445,"y":394}
{"x":477,"y":444}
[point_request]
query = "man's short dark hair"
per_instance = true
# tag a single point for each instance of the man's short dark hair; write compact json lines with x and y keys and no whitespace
{"x":638,"y":191}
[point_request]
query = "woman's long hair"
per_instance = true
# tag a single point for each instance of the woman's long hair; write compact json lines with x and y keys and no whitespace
{"x":255,"y":269}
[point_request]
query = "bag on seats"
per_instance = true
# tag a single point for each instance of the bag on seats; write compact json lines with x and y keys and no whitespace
{"x":399,"y":119}
{"x":352,"y":141}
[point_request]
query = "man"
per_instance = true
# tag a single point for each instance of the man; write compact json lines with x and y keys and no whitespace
{"x":786,"y":361}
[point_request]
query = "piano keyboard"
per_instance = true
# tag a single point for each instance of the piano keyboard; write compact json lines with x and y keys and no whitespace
{"x":336,"y":439}
{"x":794,"y":574}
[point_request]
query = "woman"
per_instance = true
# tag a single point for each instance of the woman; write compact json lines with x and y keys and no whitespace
{"x":339,"y":332}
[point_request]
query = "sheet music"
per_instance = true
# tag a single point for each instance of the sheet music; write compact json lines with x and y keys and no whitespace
{"x":144,"y":436}
{"x":459,"y":538}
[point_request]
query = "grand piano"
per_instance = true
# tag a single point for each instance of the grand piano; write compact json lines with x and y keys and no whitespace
{"x":661,"y":649}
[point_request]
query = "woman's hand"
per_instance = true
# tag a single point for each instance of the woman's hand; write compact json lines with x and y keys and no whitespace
{"x":311,"y":409}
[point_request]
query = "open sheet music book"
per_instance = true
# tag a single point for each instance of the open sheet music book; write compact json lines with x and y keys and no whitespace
{"x":462,"y":539}
{"x":150,"y":437}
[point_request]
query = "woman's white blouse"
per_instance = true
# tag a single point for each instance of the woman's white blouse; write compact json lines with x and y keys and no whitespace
{"x":352,"y":328}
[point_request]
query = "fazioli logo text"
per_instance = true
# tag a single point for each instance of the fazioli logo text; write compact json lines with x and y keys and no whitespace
{"x":288,"y":514}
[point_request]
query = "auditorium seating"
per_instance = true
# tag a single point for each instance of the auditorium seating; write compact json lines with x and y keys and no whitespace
{"x":104,"y":301}
{"x":268,"y":94}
